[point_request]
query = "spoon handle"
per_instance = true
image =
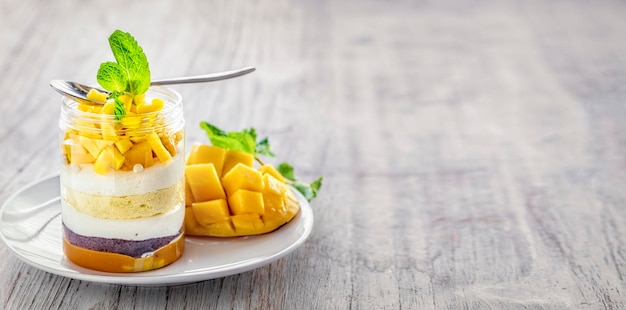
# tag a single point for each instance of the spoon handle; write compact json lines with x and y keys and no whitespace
{"x":204,"y":77}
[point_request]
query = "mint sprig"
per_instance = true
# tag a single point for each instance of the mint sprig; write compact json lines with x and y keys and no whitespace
{"x":129,"y":74}
{"x":309,"y":191}
{"x":246,"y":141}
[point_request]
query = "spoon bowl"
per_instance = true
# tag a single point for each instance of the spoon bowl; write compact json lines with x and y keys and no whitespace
{"x":79,"y":91}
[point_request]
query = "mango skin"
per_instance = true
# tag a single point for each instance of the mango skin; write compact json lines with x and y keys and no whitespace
{"x":255,"y":201}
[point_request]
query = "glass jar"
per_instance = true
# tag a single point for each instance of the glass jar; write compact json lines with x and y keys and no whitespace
{"x":122,"y":182}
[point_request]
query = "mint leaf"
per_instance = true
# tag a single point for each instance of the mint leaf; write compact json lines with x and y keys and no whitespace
{"x":246,"y":141}
{"x":119,"y":109}
{"x":243,"y":141}
{"x":263,"y":148}
{"x":111,"y":77}
{"x":309,"y":191}
{"x":130,"y":56}
{"x":317,"y":184}
{"x":238,"y":141}
{"x":286,"y":170}
{"x":212,"y":130}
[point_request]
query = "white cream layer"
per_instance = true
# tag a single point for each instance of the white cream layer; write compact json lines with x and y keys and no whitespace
{"x":123,"y":183}
{"x":137,"y":229}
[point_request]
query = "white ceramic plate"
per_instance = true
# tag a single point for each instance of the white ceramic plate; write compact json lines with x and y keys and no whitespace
{"x":30,"y":226}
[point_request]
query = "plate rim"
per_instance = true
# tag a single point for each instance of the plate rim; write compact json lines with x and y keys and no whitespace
{"x":305,"y":215}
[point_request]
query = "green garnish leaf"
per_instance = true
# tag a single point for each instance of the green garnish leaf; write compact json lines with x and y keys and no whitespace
{"x":243,"y":141}
{"x":309,"y":191}
{"x":111,"y":77}
{"x":263,"y":148}
{"x":286,"y":170}
{"x":317,"y":184}
{"x":119,"y":109}
{"x":130,"y":56}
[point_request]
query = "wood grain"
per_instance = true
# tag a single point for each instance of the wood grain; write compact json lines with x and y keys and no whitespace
{"x":473,"y":153}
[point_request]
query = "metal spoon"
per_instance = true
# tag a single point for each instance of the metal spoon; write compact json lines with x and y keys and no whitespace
{"x":79,"y":91}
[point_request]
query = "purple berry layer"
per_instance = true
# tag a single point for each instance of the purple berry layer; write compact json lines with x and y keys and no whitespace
{"x":134,"y":248}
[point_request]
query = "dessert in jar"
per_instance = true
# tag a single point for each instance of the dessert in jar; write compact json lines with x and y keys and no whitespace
{"x":122,"y":181}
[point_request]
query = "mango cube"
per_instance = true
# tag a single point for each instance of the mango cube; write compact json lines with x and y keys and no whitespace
{"x":89,"y":145}
{"x":118,"y":158}
{"x":108,"y":108}
{"x":158,"y":148}
{"x":273,"y":186}
{"x":79,"y":155}
{"x":108,"y":158}
{"x":245,"y":201}
{"x":155,"y":105}
{"x":131,"y":120}
{"x":204,"y":183}
{"x":274,"y":205}
{"x":247,"y":223}
{"x":235,"y":157}
{"x":292,"y":207}
{"x":269,"y":169}
{"x":242,"y":177}
{"x":140,"y":153}
{"x":108,"y":131}
{"x":169,"y":144}
{"x":103,"y":162}
{"x":209,"y":212}
{"x":97,"y":96}
{"x":127,"y":100}
{"x":275,"y":210}
{"x":204,"y":154}
{"x":85,"y":106}
{"x":123,"y":145}
{"x":224,"y":228}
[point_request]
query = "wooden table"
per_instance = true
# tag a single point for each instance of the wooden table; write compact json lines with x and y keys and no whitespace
{"x":473,"y":154}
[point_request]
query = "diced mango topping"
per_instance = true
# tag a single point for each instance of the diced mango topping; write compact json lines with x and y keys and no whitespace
{"x":244,"y":202}
{"x":154,"y":106}
{"x":158,"y":147}
{"x":110,"y":144}
{"x":123,"y":145}
{"x":97,"y":96}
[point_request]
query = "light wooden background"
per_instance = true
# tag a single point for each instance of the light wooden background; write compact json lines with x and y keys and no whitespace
{"x":473,"y":151}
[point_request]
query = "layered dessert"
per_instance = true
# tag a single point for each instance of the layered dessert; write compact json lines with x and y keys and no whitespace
{"x":122,"y":187}
{"x":122,"y":177}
